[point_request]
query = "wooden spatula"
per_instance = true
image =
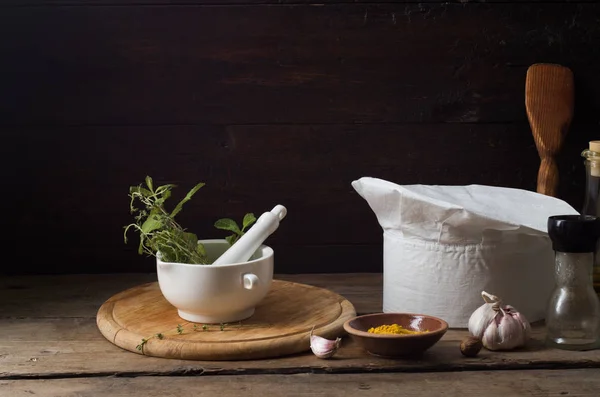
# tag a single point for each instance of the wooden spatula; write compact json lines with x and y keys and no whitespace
{"x":549,"y":100}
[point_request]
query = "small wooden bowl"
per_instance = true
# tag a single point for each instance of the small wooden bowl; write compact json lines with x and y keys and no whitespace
{"x":385,"y":345}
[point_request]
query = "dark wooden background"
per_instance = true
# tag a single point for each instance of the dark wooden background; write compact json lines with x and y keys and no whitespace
{"x":283,"y":103}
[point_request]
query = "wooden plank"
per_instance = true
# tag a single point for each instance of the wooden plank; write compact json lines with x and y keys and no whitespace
{"x":60,"y":338}
{"x":80,"y":296}
{"x":308,"y":168}
{"x":574,"y":383}
{"x":21,"y":3}
{"x":73,"y":347}
{"x":340,"y":63}
{"x":308,"y":164}
{"x":74,"y":296}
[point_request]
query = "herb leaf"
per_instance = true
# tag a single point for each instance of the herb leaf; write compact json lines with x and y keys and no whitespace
{"x":158,"y":230}
{"x":187,"y":198}
{"x":152,"y":223}
{"x":149,"y":183}
{"x":232,"y":226}
{"x":201,"y":250}
{"x":249,"y":219}
{"x":160,"y":235}
{"x":231,"y":239}
{"x":228,"y":224}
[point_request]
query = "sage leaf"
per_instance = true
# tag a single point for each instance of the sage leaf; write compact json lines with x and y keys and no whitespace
{"x":249,"y":219}
{"x":228,"y":224}
{"x":231,"y":239}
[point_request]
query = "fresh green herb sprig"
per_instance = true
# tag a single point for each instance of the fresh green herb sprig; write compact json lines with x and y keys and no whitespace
{"x":159,"y":232}
{"x":232,"y":226}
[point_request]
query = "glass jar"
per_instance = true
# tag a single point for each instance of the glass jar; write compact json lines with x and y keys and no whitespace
{"x":591,"y":205}
{"x":573,"y":313}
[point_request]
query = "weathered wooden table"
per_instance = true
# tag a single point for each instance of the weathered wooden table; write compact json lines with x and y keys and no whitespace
{"x":50,"y":346}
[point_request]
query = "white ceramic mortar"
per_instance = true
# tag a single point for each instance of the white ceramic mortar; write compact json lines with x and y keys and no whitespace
{"x":212,"y":294}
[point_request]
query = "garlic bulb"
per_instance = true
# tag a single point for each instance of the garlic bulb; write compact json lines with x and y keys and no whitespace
{"x":323,"y":348}
{"x":499,"y":327}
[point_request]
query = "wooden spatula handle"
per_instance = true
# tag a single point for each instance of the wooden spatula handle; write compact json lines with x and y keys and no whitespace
{"x":547,"y":182}
{"x":549,"y":99}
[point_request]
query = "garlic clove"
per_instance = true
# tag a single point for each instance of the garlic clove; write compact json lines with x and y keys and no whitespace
{"x":522,"y":321}
{"x":482,"y":316}
{"x":505,"y":333}
{"x":322,"y":347}
{"x":513,"y":330}
{"x":480,"y":319}
{"x":510,"y":333}
{"x":490,"y":337}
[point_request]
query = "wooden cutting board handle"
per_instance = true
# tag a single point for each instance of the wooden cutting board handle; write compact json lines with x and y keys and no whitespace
{"x":549,"y":100}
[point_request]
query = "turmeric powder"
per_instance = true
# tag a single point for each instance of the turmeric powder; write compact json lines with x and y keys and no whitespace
{"x":394,"y":329}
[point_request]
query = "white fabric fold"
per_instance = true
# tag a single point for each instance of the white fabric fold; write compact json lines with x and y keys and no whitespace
{"x":443,"y":245}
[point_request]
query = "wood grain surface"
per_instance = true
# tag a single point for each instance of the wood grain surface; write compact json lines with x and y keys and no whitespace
{"x":49,"y":330}
{"x":307,"y":168}
{"x":267,"y":102}
{"x":280,"y":325}
{"x":535,"y":383}
{"x":282,"y":64}
{"x":8,"y":3}
{"x":80,"y":296}
{"x":549,"y":100}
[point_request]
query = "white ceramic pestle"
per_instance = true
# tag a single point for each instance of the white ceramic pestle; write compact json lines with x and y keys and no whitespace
{"x":247,"y":245}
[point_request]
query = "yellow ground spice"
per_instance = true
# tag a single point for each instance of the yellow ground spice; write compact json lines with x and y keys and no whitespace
{"x":394,"y":329}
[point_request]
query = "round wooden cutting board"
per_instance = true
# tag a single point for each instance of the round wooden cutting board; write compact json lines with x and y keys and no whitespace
{"x":280,"y":325}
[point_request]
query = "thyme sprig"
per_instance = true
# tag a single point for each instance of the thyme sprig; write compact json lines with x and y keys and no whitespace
{"x":180,"y":330}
